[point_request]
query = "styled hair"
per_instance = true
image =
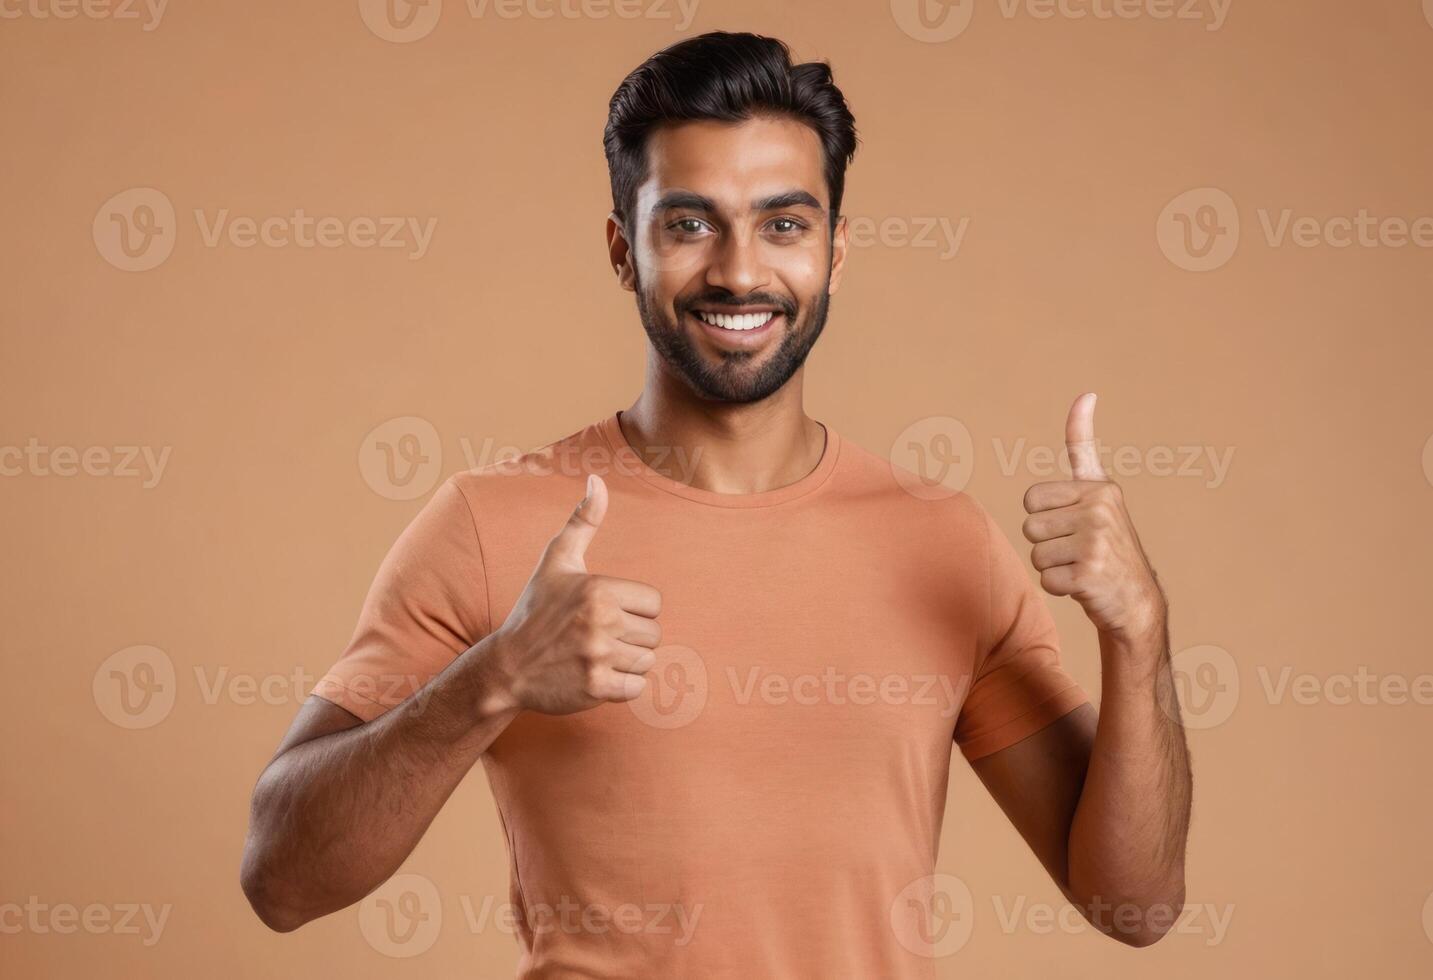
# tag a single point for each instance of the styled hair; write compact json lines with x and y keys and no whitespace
{"x":730,"y":77}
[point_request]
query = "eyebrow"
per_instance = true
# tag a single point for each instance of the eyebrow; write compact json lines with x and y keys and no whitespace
{"x":692,"y":201}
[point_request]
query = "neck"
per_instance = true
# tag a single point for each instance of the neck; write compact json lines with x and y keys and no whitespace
{"x":734,"y":448}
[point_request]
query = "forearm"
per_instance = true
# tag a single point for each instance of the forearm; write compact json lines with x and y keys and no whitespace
{"x":1128,"y":835}
{"x":334,"y":817}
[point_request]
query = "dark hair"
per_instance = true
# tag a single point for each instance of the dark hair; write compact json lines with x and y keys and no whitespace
{"x":724,"y":76}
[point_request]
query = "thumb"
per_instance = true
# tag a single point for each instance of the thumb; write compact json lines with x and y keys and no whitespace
{"x":568,"y":548}
{"x":1080,"y":440}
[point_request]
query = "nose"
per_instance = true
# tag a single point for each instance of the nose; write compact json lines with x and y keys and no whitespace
{"x":738,"y":266}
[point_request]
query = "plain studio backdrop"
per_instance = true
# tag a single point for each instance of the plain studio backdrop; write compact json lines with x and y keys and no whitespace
{"x":1217,"y":215}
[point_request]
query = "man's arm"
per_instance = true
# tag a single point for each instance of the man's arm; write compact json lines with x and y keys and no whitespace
{"x":343,"y":802}
{"x":1103,"y":798}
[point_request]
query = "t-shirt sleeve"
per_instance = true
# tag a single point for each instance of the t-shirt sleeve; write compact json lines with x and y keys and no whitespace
{"x":427,"y":604}
{"x":1020,"y":686}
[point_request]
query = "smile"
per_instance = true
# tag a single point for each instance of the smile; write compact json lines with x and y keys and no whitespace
{"x":744,"y":321}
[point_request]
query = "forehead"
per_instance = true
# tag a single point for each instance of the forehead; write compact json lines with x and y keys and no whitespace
{"x":733,"y":163}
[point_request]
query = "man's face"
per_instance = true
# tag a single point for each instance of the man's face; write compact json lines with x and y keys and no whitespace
{"x":730,"y":253}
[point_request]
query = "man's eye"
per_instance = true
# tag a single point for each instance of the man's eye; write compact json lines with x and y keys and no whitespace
{"x":792,"y":226}
{"x":689,"y":225}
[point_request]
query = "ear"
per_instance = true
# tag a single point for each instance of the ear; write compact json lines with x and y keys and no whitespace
{"x":619,"y":252}
{"x":840,"y":244}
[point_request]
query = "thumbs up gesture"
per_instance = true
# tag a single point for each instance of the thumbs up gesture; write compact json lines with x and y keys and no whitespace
{"x":1085,"y":544}
{"x":575,"y":640}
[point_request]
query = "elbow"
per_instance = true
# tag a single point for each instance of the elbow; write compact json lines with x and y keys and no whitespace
{"x":1140,"y":925}
{"x":261,"y":892}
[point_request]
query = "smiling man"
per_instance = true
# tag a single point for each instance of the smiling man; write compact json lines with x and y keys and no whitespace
{"x":717,"y":712}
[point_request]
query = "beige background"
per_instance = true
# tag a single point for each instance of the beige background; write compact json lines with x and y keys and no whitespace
{"x":265,"y":371}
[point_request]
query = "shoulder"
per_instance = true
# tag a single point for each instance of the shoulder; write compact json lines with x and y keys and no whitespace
{"x":555,"y":472}
{"x":879,"y":485}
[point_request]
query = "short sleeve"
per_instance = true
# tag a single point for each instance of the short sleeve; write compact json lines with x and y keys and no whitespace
{"x":427,"y":604}
{"x":1020,"y":686}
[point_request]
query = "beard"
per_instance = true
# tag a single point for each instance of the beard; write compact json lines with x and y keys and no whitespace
{"x":734,"y":377}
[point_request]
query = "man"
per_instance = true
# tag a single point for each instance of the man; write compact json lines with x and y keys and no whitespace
{"x":725,"y":694}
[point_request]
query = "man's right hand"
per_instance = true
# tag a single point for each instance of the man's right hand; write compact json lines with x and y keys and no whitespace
{"x":575,"y":640}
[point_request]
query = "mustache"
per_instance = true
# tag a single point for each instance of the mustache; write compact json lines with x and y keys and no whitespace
{"x":782,"y":303}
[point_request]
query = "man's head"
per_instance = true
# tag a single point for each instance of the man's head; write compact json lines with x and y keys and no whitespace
{"x":728,"y":166}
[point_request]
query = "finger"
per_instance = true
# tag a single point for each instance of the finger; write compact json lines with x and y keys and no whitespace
{"x":1080,"y":440}
{"x":568,"y":548}
{"x":635,"y":597}
{"x":628,"y":658}
{"x":1055,"y":552}
{"x":1059,"y":580}
{"x":617,"y":685}
{"x":641,"y":630}
{"x":1044,"y":525}
{"x":1048,"y":496}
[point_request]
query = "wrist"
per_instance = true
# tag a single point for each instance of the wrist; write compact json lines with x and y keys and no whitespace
{"x":495,"y":689}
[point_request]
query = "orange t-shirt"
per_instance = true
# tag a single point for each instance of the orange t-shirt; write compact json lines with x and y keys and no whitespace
{"x":767,"y":807}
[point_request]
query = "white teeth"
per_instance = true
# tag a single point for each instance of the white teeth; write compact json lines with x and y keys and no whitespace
{"x":747,"y":321}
